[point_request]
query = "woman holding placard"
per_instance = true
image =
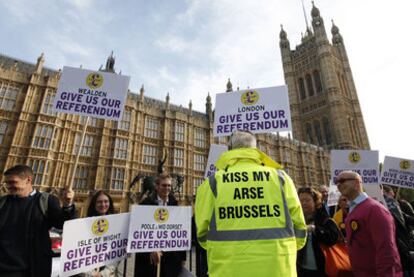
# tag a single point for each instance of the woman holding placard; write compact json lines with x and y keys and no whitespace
{"x":101,"y":204}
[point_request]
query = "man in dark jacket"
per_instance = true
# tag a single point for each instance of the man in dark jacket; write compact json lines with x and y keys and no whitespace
{"x":171,"y":262}
{"x":26,"y":216}
{"x":402,"y":231}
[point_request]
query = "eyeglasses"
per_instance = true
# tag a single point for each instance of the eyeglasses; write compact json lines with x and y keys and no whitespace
{"x":343,"y":180}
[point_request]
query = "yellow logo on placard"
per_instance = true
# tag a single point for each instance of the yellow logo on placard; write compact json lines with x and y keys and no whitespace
{"x":405,"y":164}
{"x":354,"y":157}
{"x":250,"y":97}
{"x":94,"y":80}
{"x":161,"y":215}
{"x":100,"y":226}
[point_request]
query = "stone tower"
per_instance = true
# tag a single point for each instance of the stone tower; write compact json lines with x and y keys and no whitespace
{"x":323,"y":99}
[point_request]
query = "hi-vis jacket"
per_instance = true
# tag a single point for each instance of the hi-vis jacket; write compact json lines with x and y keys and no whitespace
{"x":249,"y":217}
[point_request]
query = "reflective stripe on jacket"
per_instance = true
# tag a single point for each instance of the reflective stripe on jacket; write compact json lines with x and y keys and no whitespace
{"x":249,"y":217}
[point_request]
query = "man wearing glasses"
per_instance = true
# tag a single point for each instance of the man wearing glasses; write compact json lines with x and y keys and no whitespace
{"x":370,"y":231}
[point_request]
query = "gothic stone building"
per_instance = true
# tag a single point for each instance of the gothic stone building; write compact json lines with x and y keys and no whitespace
{"x":324,"y":106}
{"x":323,"y":99}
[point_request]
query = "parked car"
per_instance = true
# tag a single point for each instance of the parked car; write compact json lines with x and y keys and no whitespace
{"x":56,"y":239}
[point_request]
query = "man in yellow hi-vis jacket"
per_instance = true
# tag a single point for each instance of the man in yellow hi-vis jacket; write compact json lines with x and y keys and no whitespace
{"x":248,"y":215}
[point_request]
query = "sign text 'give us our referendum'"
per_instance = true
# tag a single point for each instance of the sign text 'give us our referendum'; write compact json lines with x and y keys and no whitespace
{"x":261,"y":110}
{"x":91,"y":93}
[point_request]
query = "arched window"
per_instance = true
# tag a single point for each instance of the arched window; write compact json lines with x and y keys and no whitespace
{"x":327,"y":130}
{"x":309,"y":133}
{"x":318,"y":133}
{"x":309,"y":85}
{"x":302,"y":89}
{"x":318,"y":82}
{"x":357,"y":136}
{"x":351,"y":131}
{"x":341,"y":85}
{"x":346,"y":88}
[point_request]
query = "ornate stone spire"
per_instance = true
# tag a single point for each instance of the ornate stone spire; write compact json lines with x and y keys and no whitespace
{"x":284,"y":42}
{"x":315,"y":11}
{"x":110,"y":63}
{"x":167,"y":101}
{"x":39,"y":64}
{"x":209,"y":109}
{"x":190,"y":107}
{"x":141,"y":93}
{"x":229,"y":86}
{"x":336,"y":36}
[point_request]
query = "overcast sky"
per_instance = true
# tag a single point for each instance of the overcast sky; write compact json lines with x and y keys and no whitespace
{"x":189,"y":48}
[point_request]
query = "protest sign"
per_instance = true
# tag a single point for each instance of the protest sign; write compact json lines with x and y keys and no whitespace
{"x":398,"y":172}
{"x":92,"y":242}
{"x":364,"y":162}
{"x":215,"y":151}
{"x":375,"y":192}
{"x":333,"y":195}
{"x":261,"y":110}
{"x":91,"y":93}
{"x":159,"y":228}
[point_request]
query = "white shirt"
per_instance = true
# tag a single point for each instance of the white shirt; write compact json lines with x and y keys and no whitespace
{"x":161,"y":201}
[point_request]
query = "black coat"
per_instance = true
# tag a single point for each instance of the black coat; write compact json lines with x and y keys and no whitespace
{"x":38,"y":225}
{"x":326,"y":232}
{"x":170,"y":261}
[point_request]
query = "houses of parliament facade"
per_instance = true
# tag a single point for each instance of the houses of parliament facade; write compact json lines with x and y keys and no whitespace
{"x":323,"y":101}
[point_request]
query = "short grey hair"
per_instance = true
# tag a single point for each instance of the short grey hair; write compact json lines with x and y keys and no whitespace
{"x":242,"y":139}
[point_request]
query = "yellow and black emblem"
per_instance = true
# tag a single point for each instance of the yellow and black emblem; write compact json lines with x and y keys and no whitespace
{"x":404,"y":164}
{"x":354,"y":225}
{"x":250,"y":97}
{"x":100,"y":226}
{"x":94,"y":80}
{"x":354,"y":157}
{"x":161,"y":215}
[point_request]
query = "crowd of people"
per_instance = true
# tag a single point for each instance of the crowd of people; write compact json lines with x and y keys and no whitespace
{"x":378,"y":237}
{"x":250,"y":218}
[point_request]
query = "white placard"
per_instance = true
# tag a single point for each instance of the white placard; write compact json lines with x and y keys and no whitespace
{"x":333,"y":195}
{"x":375,"y":192}
{"x":91,"y":93}
{"x":260,"y":110}
{"x":215,"y":151}
{"x":364,"y":162}
{"x":398,"y":172}
{"x":92,"y":242}
{"x":159,"y":228}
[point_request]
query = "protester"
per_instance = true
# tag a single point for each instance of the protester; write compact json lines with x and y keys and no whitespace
{"x":406,"y":206}
{"x":324,"y":191}
{"x":101,"y":204}
{"x":340,"y":216}
{"x":248,"y":214}
{"x":402,"y":234}
{"x":26,"y":215}
{"x":370,"y":231}
{"x":171,"y":262}
{"x":311,"y":261}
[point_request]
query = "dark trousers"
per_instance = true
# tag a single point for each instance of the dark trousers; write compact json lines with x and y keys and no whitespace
{"x":14,"y":274}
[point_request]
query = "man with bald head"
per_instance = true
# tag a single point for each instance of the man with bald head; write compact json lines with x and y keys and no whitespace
{"x":370,"y":231}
